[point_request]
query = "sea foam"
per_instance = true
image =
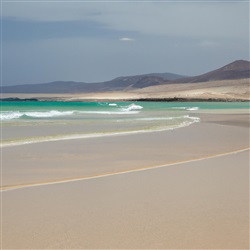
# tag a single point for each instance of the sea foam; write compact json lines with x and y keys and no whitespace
{"x":52,"y":113}
{"x":10,"y":115}
{"x":132,"y":107}
{"x":5,"y":116}
{"x":186,"y":108}
{"x":33,"y":140}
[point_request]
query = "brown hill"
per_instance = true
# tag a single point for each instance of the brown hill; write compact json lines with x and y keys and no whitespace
{"x":239,"y":69}
{"x":236,"y":70}
{"x":118,"y":84}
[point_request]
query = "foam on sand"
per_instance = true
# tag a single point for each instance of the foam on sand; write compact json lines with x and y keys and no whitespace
{"x":190,"y":120}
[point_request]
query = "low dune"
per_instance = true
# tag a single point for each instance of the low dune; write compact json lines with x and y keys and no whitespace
{"x":226,"y":90}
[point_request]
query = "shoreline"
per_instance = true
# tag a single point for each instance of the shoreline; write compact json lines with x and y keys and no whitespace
{"x":214,"y":90}
{"x":203,"y":92}
{"x":70,"y":99}
{"x":124,"y":151}
{"x":186,"y":188}
{"x":44,"y":139}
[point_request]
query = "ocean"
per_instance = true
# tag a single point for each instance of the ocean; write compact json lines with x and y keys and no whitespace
{"x":39,"y":122}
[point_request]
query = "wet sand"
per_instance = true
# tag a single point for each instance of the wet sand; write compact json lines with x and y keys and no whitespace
{"x":198,"y":204}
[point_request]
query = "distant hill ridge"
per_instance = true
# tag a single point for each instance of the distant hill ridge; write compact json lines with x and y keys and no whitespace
{"x":239,"y":69}
{"x":236,"y":70}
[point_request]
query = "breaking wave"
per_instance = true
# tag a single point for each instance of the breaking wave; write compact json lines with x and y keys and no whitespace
{"x":186,"y":108}
{"x":10,"y":115}
{"x":5,"y":115}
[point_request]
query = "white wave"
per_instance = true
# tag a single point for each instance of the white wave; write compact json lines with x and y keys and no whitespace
{"x":46,"y":114}
{"x":194,"y":119}
{"x":5,"y":116}
{"x":132,"y":107}
{"x":10,"y":115}
{"x":178,"y":107}
{"x":156,"y":119}
{"x":113,"y":104}
{"x":193,"y":108}
{"x":109,"y":112}
{"x":186,"y":108}
{"x":167,"y":118}
{"x":34,"y":114}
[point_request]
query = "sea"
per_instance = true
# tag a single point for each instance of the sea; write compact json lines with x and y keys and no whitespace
{"x":43,"y":121}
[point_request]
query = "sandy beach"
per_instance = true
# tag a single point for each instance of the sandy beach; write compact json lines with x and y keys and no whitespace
{"x":180,"y":189}
{"x":124,"y":125}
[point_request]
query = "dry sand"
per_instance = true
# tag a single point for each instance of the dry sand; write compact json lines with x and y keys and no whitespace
{"x":201,"y":204}
{"x":227,"y":90}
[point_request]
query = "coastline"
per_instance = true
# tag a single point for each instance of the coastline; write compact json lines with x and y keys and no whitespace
{"x":46,"y":161}
{"x":196,"y":198}
{"x":174,"y":99}
{"x":125,"y":124}
{"x":212,"y":91}
{"x":69,"y":98}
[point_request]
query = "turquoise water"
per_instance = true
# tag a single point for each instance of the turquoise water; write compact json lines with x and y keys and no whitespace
{"x":14,"y":106}
{"x":13,"y":111}
{"x":33,"y":122}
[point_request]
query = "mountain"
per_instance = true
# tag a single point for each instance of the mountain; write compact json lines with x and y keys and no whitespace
{"x":236,"y":70}
{"x":51,"y":87}
{"x":165,"y":76}
{"x":117,"y":84}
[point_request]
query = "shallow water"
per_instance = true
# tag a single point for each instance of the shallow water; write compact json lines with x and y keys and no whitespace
{"x":33,"y":122}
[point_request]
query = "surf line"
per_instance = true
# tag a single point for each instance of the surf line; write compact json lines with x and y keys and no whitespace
{"x":108,"y":174}
{"x":94,"y":135}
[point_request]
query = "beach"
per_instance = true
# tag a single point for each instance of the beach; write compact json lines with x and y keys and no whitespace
{"x":124,"y":125}
{"x":184,"y":188}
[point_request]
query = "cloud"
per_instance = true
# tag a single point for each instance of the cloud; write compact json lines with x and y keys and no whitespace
{"x":197,"y":20}
{"x":25,"y":30}
{"x":94,"y":34}
{"x":183,"y":19}
{"x":127,"y":39}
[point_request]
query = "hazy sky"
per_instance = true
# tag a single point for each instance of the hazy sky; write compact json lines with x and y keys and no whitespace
{"x":94,"y":41}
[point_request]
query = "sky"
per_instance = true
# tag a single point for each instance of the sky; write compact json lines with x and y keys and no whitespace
{"x":93,"y":41}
